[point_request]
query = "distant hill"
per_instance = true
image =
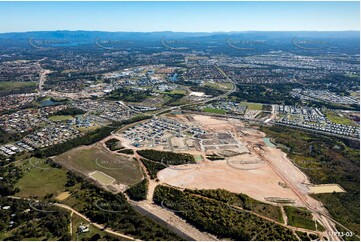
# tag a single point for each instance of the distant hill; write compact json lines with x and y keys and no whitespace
{"x":86,"y":36}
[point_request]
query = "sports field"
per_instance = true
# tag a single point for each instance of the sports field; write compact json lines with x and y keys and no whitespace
{"x":102,"y":178}
{"x":93,"y":158}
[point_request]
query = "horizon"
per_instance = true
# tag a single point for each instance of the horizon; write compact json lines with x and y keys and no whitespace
{"x":169,"y":31}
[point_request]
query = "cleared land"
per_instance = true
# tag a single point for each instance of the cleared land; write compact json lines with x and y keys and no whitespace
{"x":336,"y":118}
{"x":102,"y":178}
{"x":93,"y":158}
{"x":326,"y":188}
{"x":61,"y":118}
{"x":40,"y":180}
{"x":258,"y":170}
{"x":252,"y":106}
{"x":63,"y":196}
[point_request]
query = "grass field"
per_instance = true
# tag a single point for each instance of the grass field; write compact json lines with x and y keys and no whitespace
{"x":97,"y":158}
{"x":220,"y":86}
{"x":214,"y":110}
{"x":299,"y":217}
{"x":88,"y":129}
{"x":38,"y":182}
{"x":184,"y":92}
{"x":334,"y":117}
{"x":252,"y":106}
{"x":61,"y":118}
{"x":103,"y":178}
{"x":12,"y":86}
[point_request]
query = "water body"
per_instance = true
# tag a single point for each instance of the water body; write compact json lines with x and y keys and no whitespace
{"x":268,"y":142}
{"x":49,"y":102}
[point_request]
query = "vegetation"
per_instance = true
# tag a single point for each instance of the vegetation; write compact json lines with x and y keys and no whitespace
{"x":152,"y":167}
{"x":218,"y":218}
{"x":16,"y":87}
{"x":266,"y":93}
{"x":334,"y":117}
{"x":129,"y":95}
{"x":126,"y":151}
{"x":94,"y":233}
{"x":252,"y":106}
{"x":115,"y":212}
{"x":10,"y":175}
{"x":208,"y":90}
{"x":97,"y":158}
{"x":173,"y":99}
{"x":70,"y":111}
{"x":214,"y":110}
{"x":326,"y":160}
{"x":303,"y":236}
{"x":214,"y":157}
{"x":34,"y":224}
{"x":139,"y":191}
{"x":113,"y":144}
{"x":60,"y":117}
{"x":6,"y":137}
{"x":242,"y":201}
{"x":40,"y":181}
{"x":166,"y":157}
{"x":300,"y":217}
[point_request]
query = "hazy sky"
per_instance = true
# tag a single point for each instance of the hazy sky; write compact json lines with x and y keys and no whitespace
{"x":179,"y":16}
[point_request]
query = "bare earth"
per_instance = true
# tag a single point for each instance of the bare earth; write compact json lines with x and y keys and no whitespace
{"x":250,"y":173}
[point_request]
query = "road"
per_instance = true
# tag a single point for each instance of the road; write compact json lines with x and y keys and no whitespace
{"x":42,"y":75}
{"x":99,"y":226}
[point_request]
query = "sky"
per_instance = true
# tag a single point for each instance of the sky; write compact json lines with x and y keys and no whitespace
{"x":179,"y":16}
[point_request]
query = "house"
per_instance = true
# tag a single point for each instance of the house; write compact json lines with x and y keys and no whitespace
{"x":83,"y":229}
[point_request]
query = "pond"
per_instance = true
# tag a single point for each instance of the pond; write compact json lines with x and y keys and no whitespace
{"x":268,"y":142}
{"x":49,"y":102}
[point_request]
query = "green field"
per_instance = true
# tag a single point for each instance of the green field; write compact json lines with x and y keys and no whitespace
{"x":84,"y":160}
{"x":252,"y":106}
{"x":335,"y":118}
{"x":103,"y":178}
{"x":15,"y":86}
{"x":61,"y":118}
{"x":40,"y":180}
{"x":220,"y":86}
{"x":183,"y":92}
{"x":300,"y":217}
{"x":214,"y":110}
{"x":177,"y":91}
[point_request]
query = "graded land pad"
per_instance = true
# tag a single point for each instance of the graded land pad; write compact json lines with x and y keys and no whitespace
{"x":326,"y":188}
{"x":95,"y":158}
{"x":63,"y":196}
{"x":261,"y":172}
{"x":102,"y":178}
